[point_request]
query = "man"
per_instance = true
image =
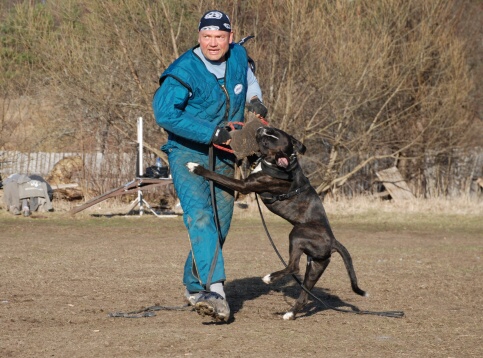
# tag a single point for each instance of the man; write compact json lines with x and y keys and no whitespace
{"x":200,"y":93}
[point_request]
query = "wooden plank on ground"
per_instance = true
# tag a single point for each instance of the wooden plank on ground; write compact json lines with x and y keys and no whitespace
{"x":64,"y":186}
{"x":131,"y":187}
{"x":394,"y":183}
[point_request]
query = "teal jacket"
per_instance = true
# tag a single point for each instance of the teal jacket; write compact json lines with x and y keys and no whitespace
{"x":190,"y":102}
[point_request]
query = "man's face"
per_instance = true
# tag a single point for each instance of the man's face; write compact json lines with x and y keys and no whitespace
{"x":214,"y":44}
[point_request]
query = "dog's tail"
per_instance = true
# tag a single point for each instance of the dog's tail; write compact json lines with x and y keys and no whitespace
{"x":348,"y":265}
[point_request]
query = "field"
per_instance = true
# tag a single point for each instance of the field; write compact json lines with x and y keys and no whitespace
{"x":60,"y":277}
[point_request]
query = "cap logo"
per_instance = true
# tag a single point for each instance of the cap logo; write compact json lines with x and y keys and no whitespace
{"x":214,"y":15}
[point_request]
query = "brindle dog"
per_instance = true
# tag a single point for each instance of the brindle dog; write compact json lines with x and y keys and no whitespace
{"x":287,"y":192}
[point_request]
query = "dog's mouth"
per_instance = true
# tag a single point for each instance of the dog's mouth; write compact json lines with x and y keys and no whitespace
{"x":282,"y":162}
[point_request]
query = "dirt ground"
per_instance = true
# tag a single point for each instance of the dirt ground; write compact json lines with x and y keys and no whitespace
{"x":60,"y":277}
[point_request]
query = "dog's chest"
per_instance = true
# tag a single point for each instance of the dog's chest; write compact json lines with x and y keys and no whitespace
{"x":257,"y":169}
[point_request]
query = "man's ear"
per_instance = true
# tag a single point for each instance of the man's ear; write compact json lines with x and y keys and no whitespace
{"x":298,"y":146}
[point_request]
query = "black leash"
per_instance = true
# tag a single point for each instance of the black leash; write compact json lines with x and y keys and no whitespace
{"x":212,"y":165}
{"x":393,"y":314}
{"x":149,"y":311}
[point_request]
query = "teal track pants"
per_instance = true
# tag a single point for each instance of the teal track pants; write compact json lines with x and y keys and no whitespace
{"x":195,"y":198}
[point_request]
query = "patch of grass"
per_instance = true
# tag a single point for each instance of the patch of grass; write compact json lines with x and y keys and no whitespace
{"x":382,"y":221}
{"x":361,"y":213}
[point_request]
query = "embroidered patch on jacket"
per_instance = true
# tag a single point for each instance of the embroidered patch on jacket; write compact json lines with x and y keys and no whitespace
{"x":238,"y":88}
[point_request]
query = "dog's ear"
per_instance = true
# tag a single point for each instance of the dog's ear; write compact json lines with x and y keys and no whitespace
{"x":298,"y":146}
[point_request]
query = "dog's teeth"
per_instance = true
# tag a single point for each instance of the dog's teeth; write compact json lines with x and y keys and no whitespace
{"x":266,"y":279}
{"x":289,"y":315}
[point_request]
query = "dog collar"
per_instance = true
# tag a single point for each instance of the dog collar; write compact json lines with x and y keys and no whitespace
{"x":270,"y":199}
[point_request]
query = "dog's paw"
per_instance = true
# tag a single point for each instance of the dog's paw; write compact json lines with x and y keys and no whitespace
{"x":288,"y":316}
{"x":267,"y":279}
{"x":192,"y":166}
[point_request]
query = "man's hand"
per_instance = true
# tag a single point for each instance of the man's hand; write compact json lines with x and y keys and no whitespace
{"x":221,"y":136}
{"x":258,"y":108}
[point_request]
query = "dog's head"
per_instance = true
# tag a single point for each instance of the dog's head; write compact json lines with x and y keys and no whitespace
{"x":278,"y":147}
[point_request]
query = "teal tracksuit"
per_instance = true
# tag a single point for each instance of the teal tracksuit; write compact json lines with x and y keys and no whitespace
{"x":190,"y":104}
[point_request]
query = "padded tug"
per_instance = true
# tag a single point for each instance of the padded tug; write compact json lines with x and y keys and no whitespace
{"x":286,"y":191}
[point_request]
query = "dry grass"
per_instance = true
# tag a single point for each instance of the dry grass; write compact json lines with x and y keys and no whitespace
{"x":362,"y":204}
{"x":340,"y":207}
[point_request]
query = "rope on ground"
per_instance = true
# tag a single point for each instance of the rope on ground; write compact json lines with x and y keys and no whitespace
{"x":150,"y":311}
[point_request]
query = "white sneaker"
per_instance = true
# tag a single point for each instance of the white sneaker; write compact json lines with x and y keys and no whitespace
{"x":192,"y":297}
{"x":214,"y":305}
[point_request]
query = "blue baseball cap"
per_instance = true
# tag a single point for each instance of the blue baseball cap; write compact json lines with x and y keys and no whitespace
{"x":215,"y":20}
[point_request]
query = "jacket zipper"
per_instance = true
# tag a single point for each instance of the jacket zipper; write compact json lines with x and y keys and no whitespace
{"x":227,"y":110}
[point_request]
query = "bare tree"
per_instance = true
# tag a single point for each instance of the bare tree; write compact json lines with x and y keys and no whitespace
{"x":360,"y":82}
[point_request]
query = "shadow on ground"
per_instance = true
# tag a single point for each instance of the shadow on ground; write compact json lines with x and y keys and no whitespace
{"x":250,"y":288}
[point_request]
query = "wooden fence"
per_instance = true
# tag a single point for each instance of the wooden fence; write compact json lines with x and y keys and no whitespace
{"x":41,"y":162}
{"x":99,"y":173}
{"x":450,"y":174}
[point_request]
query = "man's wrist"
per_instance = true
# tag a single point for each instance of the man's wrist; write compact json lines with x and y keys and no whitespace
{"x":256,"y":106}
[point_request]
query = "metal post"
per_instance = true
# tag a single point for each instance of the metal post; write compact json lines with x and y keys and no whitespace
{"x":140,"y":148}
{"x":140,"y":202}
{"x":140,"y":161}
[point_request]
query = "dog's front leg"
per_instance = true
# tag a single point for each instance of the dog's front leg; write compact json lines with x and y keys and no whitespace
{"x":246,"y":186}
{"x":295,"y":253}
{"x":291,"y":269}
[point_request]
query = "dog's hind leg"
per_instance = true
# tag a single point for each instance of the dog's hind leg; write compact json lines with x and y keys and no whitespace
{"x":315,"y":269}
{"x":292,"y":268}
